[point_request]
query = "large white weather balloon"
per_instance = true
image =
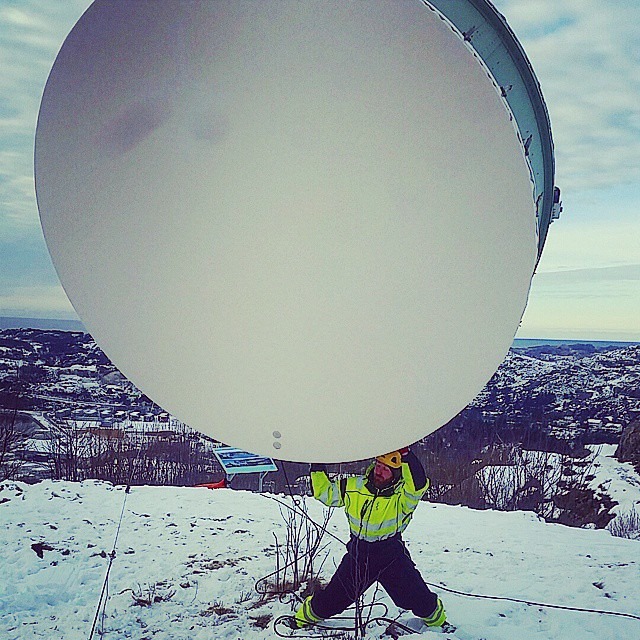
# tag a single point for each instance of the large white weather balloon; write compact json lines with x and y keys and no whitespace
{"x":307,"y":229}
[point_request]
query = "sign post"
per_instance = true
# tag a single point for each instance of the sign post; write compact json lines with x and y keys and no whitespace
{"x":235,"y":461}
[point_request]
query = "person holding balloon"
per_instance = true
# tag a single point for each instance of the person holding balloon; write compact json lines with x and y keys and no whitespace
{"x":379,"y":505}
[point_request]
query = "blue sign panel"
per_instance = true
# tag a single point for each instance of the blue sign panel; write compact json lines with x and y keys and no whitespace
{"x":237,"y":461}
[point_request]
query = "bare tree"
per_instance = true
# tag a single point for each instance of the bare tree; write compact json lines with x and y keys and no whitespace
{"x":13,"y":434}
{"x":514,"y":478}
{"x":556,"y":486}
{"x":83,"y":450}
{"x":70,"y":446}
{"x":12,"y":443}
{"x":576,"y":502}
{"x":297,"y":558}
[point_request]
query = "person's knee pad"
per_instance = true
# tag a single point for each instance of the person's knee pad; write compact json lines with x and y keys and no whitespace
{"x":438,"y":617}
{"x":305,"y":615}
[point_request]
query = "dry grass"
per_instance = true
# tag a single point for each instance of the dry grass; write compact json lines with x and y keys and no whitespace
{"x":147,"y":594}
{"x":262,"y":622}
{"x":626,"y":525}
{"x":217,"y":609}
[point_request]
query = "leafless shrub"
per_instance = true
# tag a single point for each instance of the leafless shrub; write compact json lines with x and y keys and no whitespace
{"x":79,"y":451}
{"x":537,"y":476}
{"x":69,"y":446}
{"x":517,"y":479}
{"x":626,"y":525}
{"x":245,"y":596}
{"x":217,"y":608}
{"x":296,"y":559}
{"x":147,"y":594}
{"x":12,"y":441}
{"x":556,"y":486}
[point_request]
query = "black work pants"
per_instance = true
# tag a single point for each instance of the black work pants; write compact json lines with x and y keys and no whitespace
{"x":387,"y":562}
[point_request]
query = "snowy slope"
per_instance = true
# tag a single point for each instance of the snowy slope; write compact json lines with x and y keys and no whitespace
{"x":618,"y":479}
{"x":210,"y":547}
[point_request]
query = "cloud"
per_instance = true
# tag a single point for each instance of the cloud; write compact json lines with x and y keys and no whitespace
{"x":587,"y":59}
{"x":577,"y":242}
{"x":31,"y":32}
{"x":589,"y":303}
{"x":612,"y":287}
{"x":584,"y":52}
{"x":563,"y":306}
{"x":48,"y":301}
{"x":624,"y":273}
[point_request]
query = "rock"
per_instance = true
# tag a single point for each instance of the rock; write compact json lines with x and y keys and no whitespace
{"x":629,"y":447}
{"x":40,"y":548}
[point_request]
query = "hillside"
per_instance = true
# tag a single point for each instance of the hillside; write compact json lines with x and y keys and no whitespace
{"x":201,"y":553}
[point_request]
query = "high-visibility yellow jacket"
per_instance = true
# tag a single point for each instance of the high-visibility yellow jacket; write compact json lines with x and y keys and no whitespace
{"x":373,"y":515}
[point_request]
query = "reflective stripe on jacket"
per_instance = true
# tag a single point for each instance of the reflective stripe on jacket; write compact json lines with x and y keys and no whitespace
{"x":371,"y":517}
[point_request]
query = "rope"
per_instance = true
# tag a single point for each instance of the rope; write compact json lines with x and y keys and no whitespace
{"x":533,"y":604}
{"x":288,"y":619}
{"x":112,"y":557}
{"x":104,"y":594}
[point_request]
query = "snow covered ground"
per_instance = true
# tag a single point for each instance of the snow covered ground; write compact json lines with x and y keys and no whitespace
{"x":204,"y":550}
{"x":618,"y":479}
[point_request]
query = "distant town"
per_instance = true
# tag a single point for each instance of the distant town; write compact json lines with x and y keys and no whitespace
{"x":571,"y":390}
{"x":58,"y":384}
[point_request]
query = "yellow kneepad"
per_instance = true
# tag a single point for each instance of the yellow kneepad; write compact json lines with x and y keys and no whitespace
{"x":438,"y":617}
{"x":305,"y":615}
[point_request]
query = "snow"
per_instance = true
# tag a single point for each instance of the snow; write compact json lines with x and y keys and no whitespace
{"x":618,"y":479}
{"x":212,"y":546}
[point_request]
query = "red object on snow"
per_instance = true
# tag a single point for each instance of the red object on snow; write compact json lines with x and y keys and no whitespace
{"x":214,"y":485}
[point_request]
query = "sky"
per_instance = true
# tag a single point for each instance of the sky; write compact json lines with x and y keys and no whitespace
{"x":587,"y":58}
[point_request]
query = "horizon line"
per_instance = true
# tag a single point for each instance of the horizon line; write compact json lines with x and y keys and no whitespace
{"x":25,"y":322}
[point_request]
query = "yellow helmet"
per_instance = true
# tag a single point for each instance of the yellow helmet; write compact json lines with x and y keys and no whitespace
{"x":393,"y":459}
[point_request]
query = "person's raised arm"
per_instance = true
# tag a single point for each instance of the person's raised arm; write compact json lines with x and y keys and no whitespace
{"x":328,"y":492}
{"x":418,"y":475}
{"x":415,"y":480}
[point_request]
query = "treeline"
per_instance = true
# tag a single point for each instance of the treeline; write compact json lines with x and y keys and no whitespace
{"x":78,"y":453}
{"x":469,"y":461}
